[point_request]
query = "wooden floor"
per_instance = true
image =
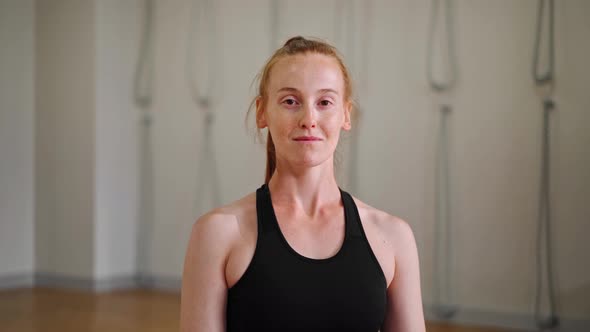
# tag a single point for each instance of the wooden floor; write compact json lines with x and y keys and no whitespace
{"x":49,"y":310}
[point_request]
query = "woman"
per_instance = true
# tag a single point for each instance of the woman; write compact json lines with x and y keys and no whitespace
{"x":299,"y":254}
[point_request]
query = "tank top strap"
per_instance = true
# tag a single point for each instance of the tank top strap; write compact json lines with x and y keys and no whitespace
{"x":353,"y":220}
{"x":264,"y":210}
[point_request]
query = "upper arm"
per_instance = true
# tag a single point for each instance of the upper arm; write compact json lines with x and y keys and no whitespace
{"x":404,"y":298}
{"x":204,"y":289}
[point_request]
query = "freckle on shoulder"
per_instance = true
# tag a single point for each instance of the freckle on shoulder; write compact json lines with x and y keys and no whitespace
{"x":234,"y":208}
{"x":379,"y":217}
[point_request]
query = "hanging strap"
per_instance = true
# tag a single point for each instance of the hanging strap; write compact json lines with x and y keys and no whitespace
{"x":441,"y":86}
{"x":142,"y":96}
{"x":545,"y":82}
{"x":356,"y":29}
{"x":142,"y":83}
{"x":443,"y":306}
{"x":547,"y":77}
{"x":202,"y":37}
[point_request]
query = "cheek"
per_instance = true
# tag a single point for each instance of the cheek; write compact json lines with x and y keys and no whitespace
{"x":280,"y":128}
{"x":335,"y":124}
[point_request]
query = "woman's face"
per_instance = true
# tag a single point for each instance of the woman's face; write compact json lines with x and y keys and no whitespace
{"x":306,"y":109}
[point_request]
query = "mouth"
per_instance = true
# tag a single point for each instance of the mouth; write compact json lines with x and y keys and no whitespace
{"x":307,"y":139}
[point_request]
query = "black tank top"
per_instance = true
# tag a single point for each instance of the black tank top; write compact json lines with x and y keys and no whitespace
{"x":282,"y":290}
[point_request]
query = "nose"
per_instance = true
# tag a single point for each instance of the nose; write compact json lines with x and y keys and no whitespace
{"x":308,"y":117}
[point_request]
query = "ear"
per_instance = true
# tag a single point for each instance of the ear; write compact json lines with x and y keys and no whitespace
{"x":346,"y":125}
{"x":260,"y":113}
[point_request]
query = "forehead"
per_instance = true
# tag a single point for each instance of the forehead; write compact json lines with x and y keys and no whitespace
{"x":310,"y":71}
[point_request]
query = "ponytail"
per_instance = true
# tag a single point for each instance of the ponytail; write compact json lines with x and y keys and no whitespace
{"x":271,"y":158}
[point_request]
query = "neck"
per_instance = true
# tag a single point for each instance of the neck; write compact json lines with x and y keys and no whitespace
{"x":309,"y":189}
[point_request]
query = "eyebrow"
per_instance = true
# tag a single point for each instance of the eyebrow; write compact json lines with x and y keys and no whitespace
{"x":288,"y":89}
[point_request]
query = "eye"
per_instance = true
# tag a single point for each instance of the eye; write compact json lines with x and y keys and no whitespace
{"x":325,"y":102}
{"x":289,"y":102}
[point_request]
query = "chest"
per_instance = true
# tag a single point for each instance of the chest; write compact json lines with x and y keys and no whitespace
{"x":285,"y":291}
{"x":318,"y":238}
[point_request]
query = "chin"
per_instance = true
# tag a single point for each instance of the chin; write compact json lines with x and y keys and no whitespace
{"x":312,"y":160}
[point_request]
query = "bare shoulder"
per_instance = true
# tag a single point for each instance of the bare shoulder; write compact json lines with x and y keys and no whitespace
{"x":393,"y":227}
{"x":394,"y":245}
{"x":204,"y":286}
{"x":223,"y":226}
{"x":223,"y":231}
{"x":390,"y":237}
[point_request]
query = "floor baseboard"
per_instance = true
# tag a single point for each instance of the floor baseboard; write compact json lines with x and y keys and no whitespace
{"x":463,"y":316}
{"x":16,"y":281}
{"x":521,"y":322}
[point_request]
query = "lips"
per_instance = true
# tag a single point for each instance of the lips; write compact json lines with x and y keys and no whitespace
{"x":307,"y":139}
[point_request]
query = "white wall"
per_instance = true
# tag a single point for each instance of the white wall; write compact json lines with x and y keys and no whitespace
{"x":87,"y":158}
{"x":65,"y":127}
{"x":16,"y":137}
{"x":116,"y":206}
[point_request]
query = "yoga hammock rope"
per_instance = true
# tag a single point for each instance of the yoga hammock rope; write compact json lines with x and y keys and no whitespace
{"x":545,"y":84}
{"x":359,"y":64}
{"x":443,"y":301}
{"x":143,"y":97}
{"x":202,"y":40}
